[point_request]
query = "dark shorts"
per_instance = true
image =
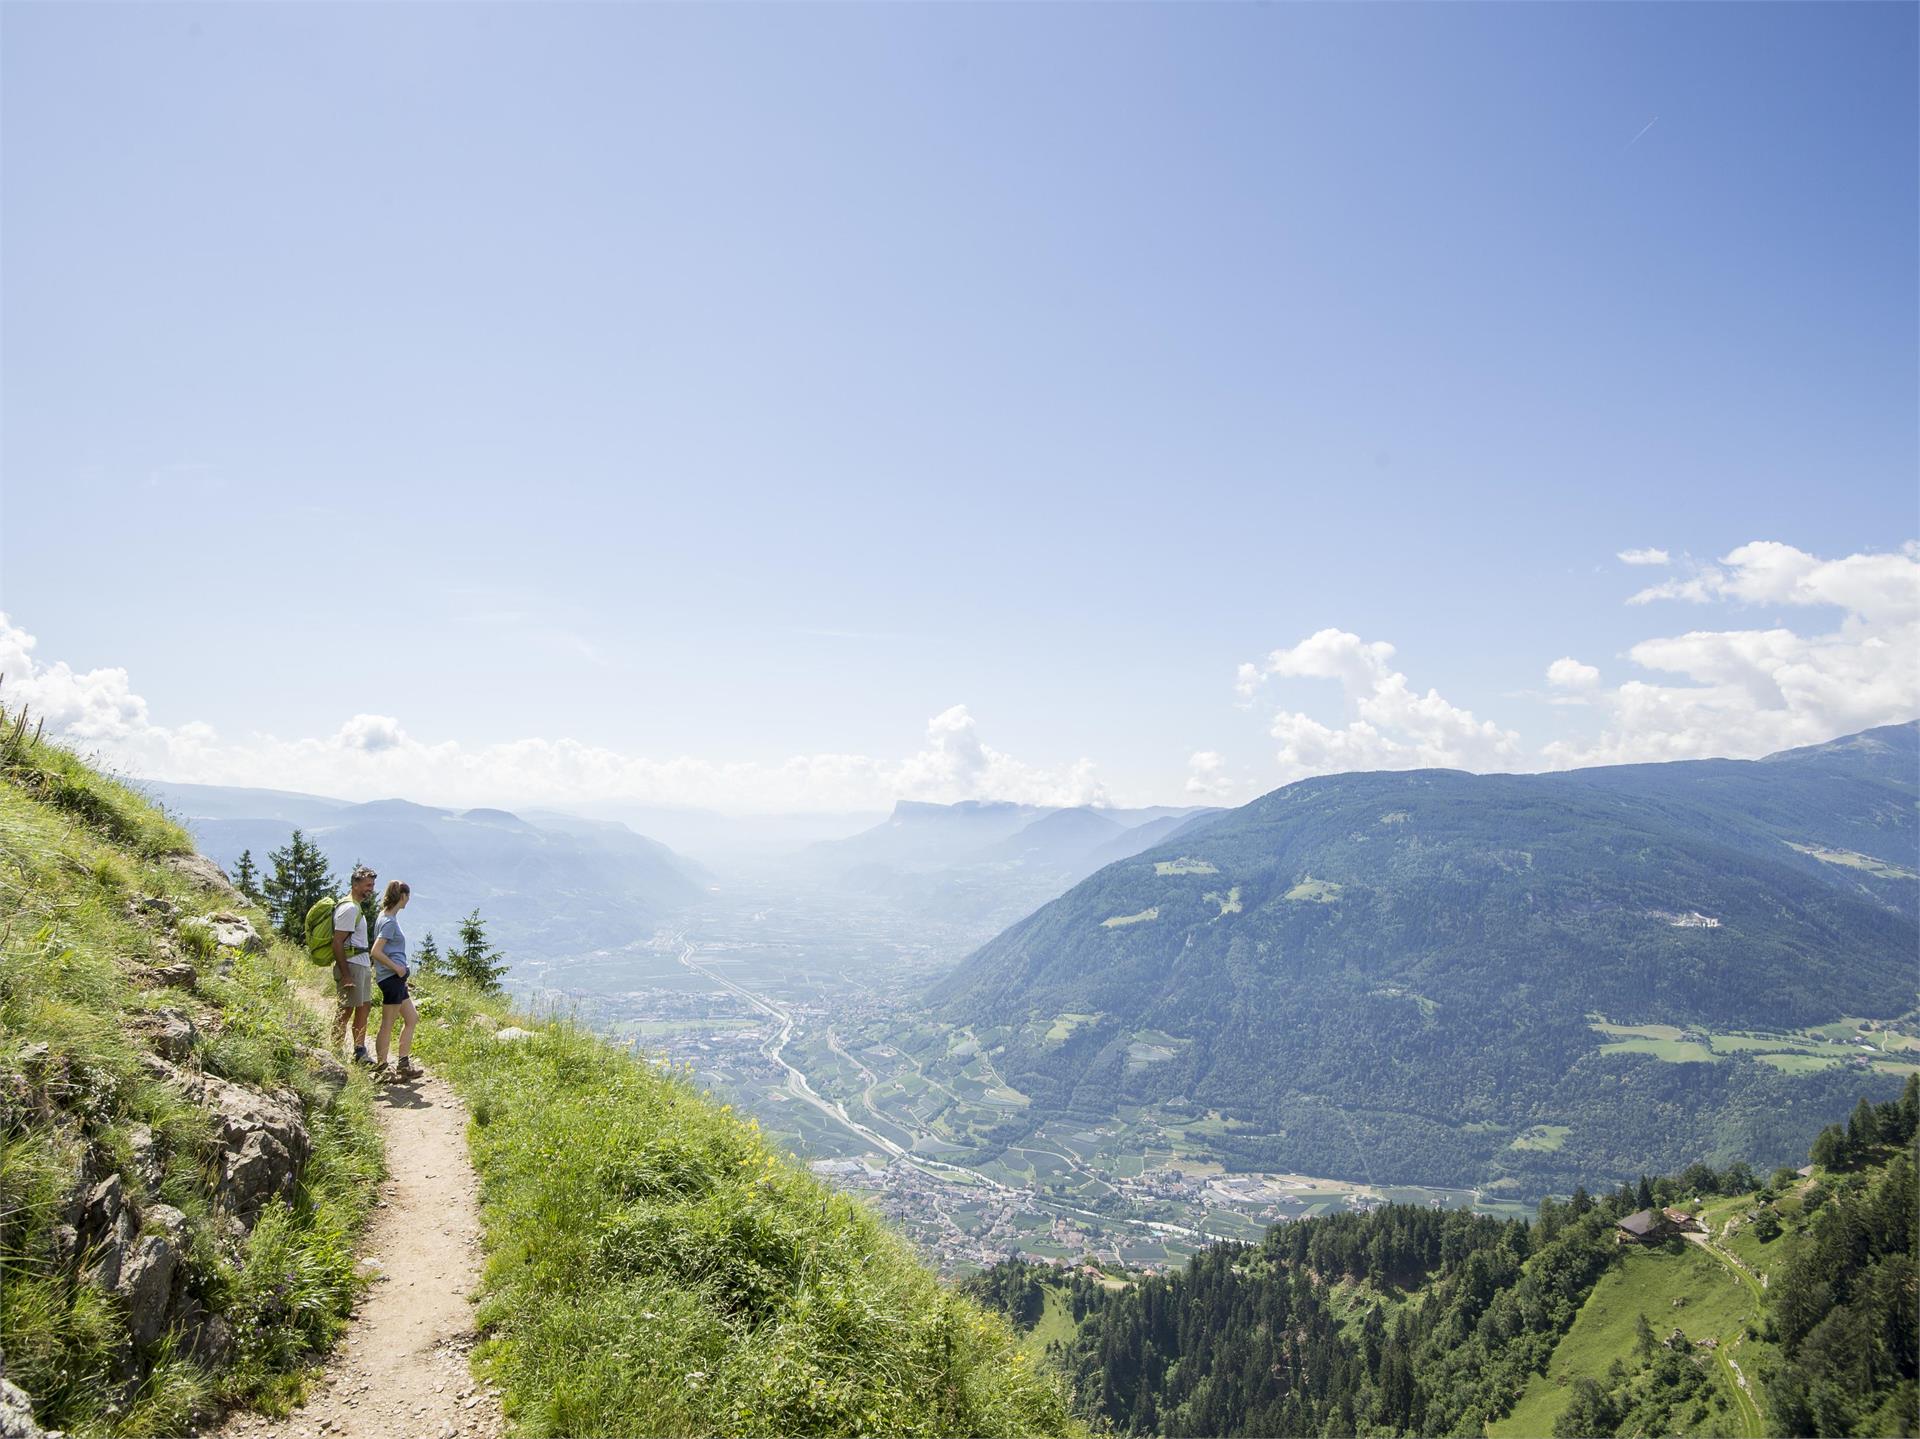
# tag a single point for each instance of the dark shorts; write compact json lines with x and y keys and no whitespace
{"x":393,"y":989}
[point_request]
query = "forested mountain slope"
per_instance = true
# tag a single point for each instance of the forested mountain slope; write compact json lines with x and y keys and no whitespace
{"x":1784,"y":1308}
{"x":1404,"y":975}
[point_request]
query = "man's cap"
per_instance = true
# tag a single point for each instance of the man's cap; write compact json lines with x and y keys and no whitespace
{"x":363,"y":873}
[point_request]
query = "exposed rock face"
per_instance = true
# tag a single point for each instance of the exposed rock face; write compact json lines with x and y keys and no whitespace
{"x":174,"y":974}
{"x":147,"y":1274}
{"x":263,"y":1140}
{"x":203,"y":872}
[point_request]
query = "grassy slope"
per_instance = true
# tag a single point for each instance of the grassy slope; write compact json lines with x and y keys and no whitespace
{"x":77,"y":848}
{"x":656,"y":1266}
{"x":1682,"y":1288}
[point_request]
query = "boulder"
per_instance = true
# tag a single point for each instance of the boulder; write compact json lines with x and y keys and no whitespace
{"x":203,"y":872}
{"x":228,"y":931}
{"x":153,"y":905}
{"x":513,"y":1034}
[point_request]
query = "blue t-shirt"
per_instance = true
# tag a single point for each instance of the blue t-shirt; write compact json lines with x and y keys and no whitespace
{"x":388,"y":929}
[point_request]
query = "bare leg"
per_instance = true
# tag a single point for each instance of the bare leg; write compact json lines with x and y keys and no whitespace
{"x":388,"y":1013}
{"x":360,"y":1014}
{"x":412,"y":1017}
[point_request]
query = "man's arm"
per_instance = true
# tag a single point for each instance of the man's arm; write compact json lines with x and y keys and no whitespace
{"x":340,"y":938}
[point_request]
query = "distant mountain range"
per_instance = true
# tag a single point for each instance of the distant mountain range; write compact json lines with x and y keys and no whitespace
{"x":990,"y":862}
{"x":543,"y":880}
{"x":1503,"y":980}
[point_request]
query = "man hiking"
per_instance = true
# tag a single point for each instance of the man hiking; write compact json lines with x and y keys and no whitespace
{"x":352,"y":969}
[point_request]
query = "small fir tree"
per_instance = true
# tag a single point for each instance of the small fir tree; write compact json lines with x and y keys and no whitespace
{"x":246,"y":877}
{"x":299,"y":880}
{"x":476,"y":960}
{"x":428,"y":961}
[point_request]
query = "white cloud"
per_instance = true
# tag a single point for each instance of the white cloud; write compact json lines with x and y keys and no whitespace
{"x":1391,"y":726}
{"x":1645,"y":557}
{"x":1568,"y":673}
{"x":1207,"y":778}
{"x":1748,"y":692}
{"x":369,"y":756}
{"x":1739,"y":693}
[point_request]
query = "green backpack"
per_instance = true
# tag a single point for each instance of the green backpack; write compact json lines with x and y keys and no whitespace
{"x":320,"y":930}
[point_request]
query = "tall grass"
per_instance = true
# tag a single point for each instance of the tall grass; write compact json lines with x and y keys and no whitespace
{"x":657,"y":1267}
{"x":77,"y":850}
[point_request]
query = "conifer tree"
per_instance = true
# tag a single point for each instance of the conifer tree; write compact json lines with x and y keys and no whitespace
{"x":246,"y":877}
{"x":428,"y":961}
{"x":300,"y":879}
{"x":476,"y":960}
{"x":1644,"y":1196}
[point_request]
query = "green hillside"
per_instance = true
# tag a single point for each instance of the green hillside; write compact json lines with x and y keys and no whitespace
{"x":182,"y":1167}
{"x":1789,"y":1309}
{"x":1414,"y":977}
{"x":184,"y":1170}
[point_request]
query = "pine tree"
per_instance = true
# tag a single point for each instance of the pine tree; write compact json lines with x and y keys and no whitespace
{"x":246,"y":877}
{"x":428,"y":960}
{"x":300,"y":878}
{"x":1644,"y":1197}
{"x":476,"y":961}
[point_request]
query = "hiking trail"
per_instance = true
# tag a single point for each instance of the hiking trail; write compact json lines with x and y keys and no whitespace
{"x":400,"y":1370}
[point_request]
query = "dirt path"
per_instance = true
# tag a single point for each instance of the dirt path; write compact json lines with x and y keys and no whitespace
{"x":401,"y":1369}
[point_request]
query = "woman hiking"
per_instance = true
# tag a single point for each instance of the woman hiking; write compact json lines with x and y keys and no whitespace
{"x":390,"y":964}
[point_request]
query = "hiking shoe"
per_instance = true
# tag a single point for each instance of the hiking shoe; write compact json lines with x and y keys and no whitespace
{"x":360,"y":1056}
{"x":407,"y":1069}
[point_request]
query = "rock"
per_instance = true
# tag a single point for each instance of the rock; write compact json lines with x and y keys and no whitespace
{"x":228,"y":930}
{"x":513,"y":1034}
{"x":173,"y":1033}
{"x":327,"y":1069}
{"x":480,"y":1021}
{"x":103,"y":1205}
{"x":16,"y":1415}
{"x":146,"y":1283}
{"x":153,"y":905}
{"x":108,"y":1256}
{"x":146,"y":1155}
{"x":66,"y":1245}
{"x":212,"y":1341}
{"x":203,"y":872}
{"x":263,"y":1141}
{"x":175,"y":974}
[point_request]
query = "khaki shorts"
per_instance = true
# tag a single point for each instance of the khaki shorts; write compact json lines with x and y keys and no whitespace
{"x":357,"y":988}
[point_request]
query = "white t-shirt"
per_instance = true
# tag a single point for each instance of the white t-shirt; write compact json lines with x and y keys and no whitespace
{"x":347,"y":916}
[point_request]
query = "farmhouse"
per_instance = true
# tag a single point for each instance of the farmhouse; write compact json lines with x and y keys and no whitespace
{"x":1649,"y":1226}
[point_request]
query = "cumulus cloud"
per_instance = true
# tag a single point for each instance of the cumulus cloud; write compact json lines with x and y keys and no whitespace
{"x":1567,"y":673}
{"x":370,"y":756}
{"x":1647,"y":556}
{"x":1207,"y":779}
{"x":1747,"y":692}
{"x":1735,"y":692}
{"x":1390,"y":725}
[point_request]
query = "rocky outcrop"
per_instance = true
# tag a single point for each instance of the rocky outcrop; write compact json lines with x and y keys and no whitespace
{"x":263,"y":1140}
{"x":205,"y":873}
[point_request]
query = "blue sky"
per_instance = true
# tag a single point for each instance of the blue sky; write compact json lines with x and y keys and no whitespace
{"x":711,"y":387}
